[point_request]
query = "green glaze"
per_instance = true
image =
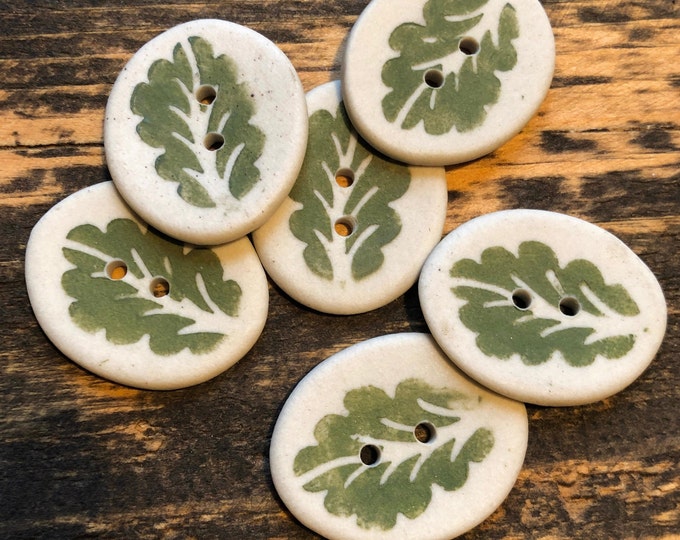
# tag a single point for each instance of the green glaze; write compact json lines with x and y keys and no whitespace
{"x":126,"y":308}
{"x":401,"y":481}
{"x":604,"y":325}
{"x":174,"y":120}
{"x":463,"y":97}
{"x":333,"y":145}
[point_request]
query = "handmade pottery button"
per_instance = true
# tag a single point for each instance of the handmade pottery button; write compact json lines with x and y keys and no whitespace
{"x":386,"y":439}
{"x":205,"y":131}
{"x":542,"y":307}
{"x":356,"y":228}
{"x":135,"y":306}
{"x":439,"y":82}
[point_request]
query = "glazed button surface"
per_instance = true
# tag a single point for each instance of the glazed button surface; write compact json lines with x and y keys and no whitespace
{"x":439,"y":82}
{"x":135,"y":307}
{"x":386,"y":439}
{"x":356,"y":227}
{"x":205,"y":131}
{"x":542,"y":307}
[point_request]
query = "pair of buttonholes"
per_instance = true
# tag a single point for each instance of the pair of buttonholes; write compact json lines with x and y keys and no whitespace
{"x":370,"y":455}
{"x":434,"y":78}
{"x":206,"y":95}
{"x":568,"y":305}
{"x":117,"y":270}
{"x":345,"y":225}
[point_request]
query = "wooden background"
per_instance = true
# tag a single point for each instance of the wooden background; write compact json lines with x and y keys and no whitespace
{"x":82,"y":457}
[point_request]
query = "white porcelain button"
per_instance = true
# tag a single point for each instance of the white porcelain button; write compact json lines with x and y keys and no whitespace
{"x":356,"y":227}
{"x":436,"y":82}
{"x":386,"y":439}
{"x":134,"y":306}
{"x":543,"y":307}
{"x":205,"y":131}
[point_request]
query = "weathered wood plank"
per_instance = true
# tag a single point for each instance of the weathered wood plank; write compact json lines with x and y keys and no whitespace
{"x":80,"y":456}
{"x":67,"y":115}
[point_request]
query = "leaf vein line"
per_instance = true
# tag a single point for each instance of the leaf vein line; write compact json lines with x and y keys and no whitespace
{"x":555,"y":282}
{"x":88,"y":250}
{"x":364,"y":200}
{"x":396,"y":425}
{"x":338,"y":149}
{"x":232,"y":160}
{"x":472,"y":283}
{"x":599,"y":305}
{"x":140,"y":263}
{"x":327,"y":207}
{"x":324,"y":468}
{"x":436,"y":409}
{"x":200,"y":285}
{"x":325,"y":242}
{"x":362,"y":238}
{"x":186,"y":118}
{"x":225,"y":117}
{"x":410,"y":102}
{"x":363,"y":166}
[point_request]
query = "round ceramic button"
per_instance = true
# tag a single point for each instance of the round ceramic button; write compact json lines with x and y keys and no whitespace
{"x":435,"y":82}
{"x":386,"y":439}
{"x":134,"y":306}
{"x":543,"y":307}
{"x":356,"y":228}
{"x":205,"y":131}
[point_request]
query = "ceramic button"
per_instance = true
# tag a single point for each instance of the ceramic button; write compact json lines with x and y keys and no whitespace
{"x":386,"y":439}
{"x":435,"y":82}
{"x":205,"y":131}
{"x":356,"y":227}
{"x":134,"y":306}
{"x":543,"y":307}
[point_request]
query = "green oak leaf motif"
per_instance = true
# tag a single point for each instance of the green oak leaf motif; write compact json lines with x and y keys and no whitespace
{"x":401,"y":481}
{"x":192,"y":315}
{"x":466,"y":84}
{"x":190,"y":106}
{"x":333,"y":146}
{"x":570,"y":309}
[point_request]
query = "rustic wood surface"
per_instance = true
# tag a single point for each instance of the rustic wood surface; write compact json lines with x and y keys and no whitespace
{"x":82,"y":457}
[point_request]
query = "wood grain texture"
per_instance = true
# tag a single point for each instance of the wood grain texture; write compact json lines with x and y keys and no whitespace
{"x":82,"y":457}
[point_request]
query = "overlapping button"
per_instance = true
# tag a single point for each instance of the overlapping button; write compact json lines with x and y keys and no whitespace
{"x":356,"y":227}
{"x":205,"y":131}
{"x":134,"y":306}
{"x":543,"y":307}
{"x":386,"y":439}
{"x":440,"y":82}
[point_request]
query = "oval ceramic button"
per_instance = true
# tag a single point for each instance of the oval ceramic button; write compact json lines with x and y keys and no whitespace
{"x":386,"y":439}
{"x":134,"y":306}
{"x":543,"y":307}
{"x":439,"y":82}
{"x":356,"y":228}
{"x":205,"y":131}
